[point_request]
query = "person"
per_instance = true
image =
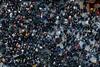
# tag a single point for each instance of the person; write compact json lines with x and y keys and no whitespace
{"x":41,"y":33}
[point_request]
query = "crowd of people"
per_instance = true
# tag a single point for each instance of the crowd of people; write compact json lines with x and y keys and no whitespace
{"x":48,"y":33}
